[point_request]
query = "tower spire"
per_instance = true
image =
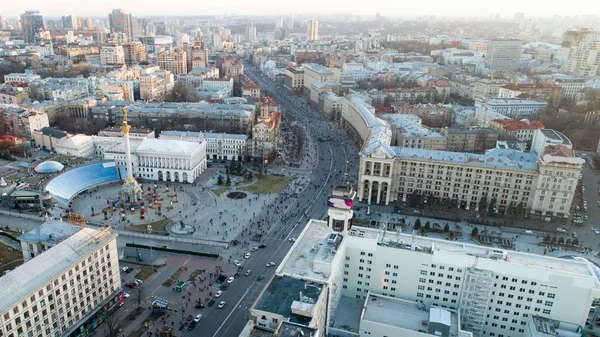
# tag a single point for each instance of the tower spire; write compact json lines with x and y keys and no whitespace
{"x":125,"y":128}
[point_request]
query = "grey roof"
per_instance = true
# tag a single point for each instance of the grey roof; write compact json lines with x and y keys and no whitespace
{"x":495,"y":158}
{"x":50,"y":232}
{"x":42,"y":269}
{"x":552,"y":134}
{"x":53,"y":132}
{"x":282,"y":292}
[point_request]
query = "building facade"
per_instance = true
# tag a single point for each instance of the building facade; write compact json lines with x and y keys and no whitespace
{"x":62,"y":290}
{"x":503,"y":55}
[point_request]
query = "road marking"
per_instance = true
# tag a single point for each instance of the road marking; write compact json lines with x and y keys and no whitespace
{"x":230,"y":313}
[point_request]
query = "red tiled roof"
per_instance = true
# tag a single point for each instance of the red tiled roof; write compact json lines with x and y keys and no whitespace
{"x":513,"y":125}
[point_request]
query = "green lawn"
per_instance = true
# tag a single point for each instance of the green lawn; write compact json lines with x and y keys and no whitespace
{"x":157,"y":226}
{"x":269,"y":184}
{"x":9,"y":258}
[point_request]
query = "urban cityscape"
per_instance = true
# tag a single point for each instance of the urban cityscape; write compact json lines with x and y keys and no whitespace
{"x":254,"y":170}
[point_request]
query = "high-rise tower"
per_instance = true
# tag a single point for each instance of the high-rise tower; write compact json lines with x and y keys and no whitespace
{"x":312,"y":30}
{"x":32,"y":23}
{"x":131,"y":190}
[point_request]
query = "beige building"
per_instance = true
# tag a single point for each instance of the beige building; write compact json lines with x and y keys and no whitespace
{"x":463,"y":139}
{"x":294,"y":79}
{"x":312,"y":30}
{"x":57,"y":292}
{"x":173,"y":60}
{"x":407,"y":131}
{"x":112,"y":55}
{"x":317,"y":73}
{"x":485,"y":89}
{"x":505,"y":178}
{"x":135,"y":52}
{"x":156,"y":85}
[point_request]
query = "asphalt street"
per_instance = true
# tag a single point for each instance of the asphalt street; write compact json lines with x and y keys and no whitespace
{"x":334,"y":152}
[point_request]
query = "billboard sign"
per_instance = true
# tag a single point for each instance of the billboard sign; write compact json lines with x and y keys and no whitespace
{"x":339,"y":202}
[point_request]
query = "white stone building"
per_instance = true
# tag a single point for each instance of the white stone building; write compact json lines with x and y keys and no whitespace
{"x":515,"y":107}
{"x":58,"y":291}
{"x":112,"y":55}
{"x":219,"y":146}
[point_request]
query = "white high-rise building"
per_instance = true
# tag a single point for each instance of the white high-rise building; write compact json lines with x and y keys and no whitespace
{"x":63,"y":290}
{"x":312,"y":30}
{"x":251,"y":33}
{"x":584,"y":57}
{"x":503,"y":55}
{"x":345,"y":280}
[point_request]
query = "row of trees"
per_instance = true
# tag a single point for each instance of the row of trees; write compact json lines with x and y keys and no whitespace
{"x":560,"y":240}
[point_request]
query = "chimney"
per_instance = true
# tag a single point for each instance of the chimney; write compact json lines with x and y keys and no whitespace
{"x":300,"y":296}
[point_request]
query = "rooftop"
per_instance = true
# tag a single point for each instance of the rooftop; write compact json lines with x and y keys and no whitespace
{"x":513,"y":125}
{"x":411,"y":125}
{"x":406,"y":314}
{"x":50,"y":232}
{"x":311,"y":246}
{"x":288,"y":329}
{"x":556,"y":136}
{"x":171,"y":146}
{"x":317,"y":68}
{"x":550,"y":327}
{"x":283,"y":291}
{"x":513,"y":101}
{"x":347,"y":316}
{"x":40,"y":270}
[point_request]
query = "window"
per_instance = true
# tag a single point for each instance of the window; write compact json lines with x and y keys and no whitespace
{"x":550,"y":295}
{"x":546,"y":312}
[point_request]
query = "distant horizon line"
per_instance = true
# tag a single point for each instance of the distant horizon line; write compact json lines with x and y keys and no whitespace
{"x":403,"y":16}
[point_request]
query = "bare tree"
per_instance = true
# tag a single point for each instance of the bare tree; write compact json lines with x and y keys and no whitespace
{"x":112,"y":325}
{"x":139,"y":294}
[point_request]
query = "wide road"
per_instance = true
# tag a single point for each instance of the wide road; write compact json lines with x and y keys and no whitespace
{"x":333,"y":152}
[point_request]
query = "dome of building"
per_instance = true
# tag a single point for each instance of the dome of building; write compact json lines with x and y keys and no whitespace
{"x":49,"y":167}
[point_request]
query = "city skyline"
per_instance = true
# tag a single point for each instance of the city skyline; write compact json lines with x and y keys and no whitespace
{"x":464,"y":8}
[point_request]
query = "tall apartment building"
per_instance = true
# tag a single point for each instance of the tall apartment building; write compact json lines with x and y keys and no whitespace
{"x":120,"y":22}
{"x":135,"y":52}
{"x":173,"y":60}
{"x":32,"y":23}
{"x":340,"y":279}
{"x":312,"y":30}
{"x":112,"y":55}
{"x":69,"y":22}
{"x":503,"y":55}
{"x":251,"y":33}
{"x":294,"y":79}
{"x":584,"y":57}
{"x":156,"y":85}
{"x":66,"y":290}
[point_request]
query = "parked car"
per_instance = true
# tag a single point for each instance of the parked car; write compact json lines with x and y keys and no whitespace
{"x":230,"y":279}
{"x":199,"y":305}
{"x":248,"y":272}
{"x":221,"y":304}
{"x":191,"y":326}
{"x":237,"y":263}
{"x":198,"y":318}
{"x":247,"y":256}
{"x":211,"y":302}
{"x":126,"y":295}
{"x":219,"y":293}
{"x":292,"y":239}
{"x":256,"y":248}
{"x":562,"y":230}
{"x":270,"y":264}
{"x":262,"y":245}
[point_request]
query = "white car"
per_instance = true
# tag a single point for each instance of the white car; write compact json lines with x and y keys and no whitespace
{"x":126,"y":295}
{"x":562,"y":230}
{"x":229,"y":280}
{"x":254,"y":249}
{"x":292,"y":240}
{"x":270,"y":264}
{"x":198,"y":318}
{"x":219,"y":293}
{"x":247,"y":256}
{"x":221,"y":304}
{"x":237,"y":263}
{"x":528,"y":232}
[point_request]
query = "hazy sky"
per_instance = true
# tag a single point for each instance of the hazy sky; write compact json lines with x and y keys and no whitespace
{"x":531,"y":8}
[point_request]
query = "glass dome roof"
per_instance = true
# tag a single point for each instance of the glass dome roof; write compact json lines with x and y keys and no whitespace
{"x":49,"y":167}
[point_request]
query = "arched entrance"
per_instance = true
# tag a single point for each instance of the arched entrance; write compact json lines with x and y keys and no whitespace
{"x":365,"y":192}
{"x":185,"y":176}
{"x":168,"y":175}
{"x":176,"y":176}
{"x":383,"y":195}
{"x":374,"y":192}
{"x":160,"y":175}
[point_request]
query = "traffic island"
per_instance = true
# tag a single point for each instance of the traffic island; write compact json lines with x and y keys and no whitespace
{"x":174,"y":277}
